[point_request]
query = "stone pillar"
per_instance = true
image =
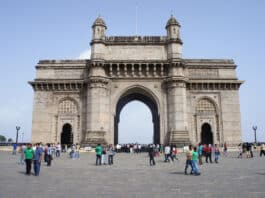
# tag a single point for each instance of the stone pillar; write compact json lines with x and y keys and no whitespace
{"x":98,"y":107}
{"x":177,"y":107}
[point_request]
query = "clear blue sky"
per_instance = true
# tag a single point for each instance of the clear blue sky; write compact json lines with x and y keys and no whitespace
{"x":32,"y":30}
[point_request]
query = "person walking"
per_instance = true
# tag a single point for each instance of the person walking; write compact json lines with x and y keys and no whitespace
{"x":216,"y":153}
{"x":225,"y":149}
{"x":189,"y":160}
{"x":262,"y":150}
{"x":195,"y":161}
{"x":111,"y":153}
{"x":151,"y":154}
{"x":28,"y":158}
{"x":72,"y":151}
{"x":58,"y":150}
{"x":22,"y":148}
{"x":208,"y":151}
{"x":49,"y":155}
{"x":77,"y":151}
{"x":167,"y":153}
{"x":240,"y":151}
{"x":37,"y":159}
{"x":104,"y":156}
{"x":98,"y":150}
{"x":200,"y":153}
{"x":14,"y":152}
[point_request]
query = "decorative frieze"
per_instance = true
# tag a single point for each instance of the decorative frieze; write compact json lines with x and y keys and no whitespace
{"x":136,"y":70}
{"x":57,"y":85}
{"x":203,"y":73}
{"x":213,"y":85}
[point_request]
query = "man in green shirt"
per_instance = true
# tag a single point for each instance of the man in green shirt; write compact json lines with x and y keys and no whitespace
{"x":98,"y":154}
{"x":195,"y":161}
{"x":28,"y":158}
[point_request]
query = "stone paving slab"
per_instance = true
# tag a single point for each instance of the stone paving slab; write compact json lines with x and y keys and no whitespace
{"x":131,"y":176}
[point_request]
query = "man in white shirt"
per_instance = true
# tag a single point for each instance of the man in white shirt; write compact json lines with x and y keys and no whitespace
{"x":58,"y":150}
{"x":167,"y":153}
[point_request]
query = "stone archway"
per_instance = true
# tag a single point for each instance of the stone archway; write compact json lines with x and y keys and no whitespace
{"x":146,"y":100}
{"x":67,"y":134}
{"x":206,"y":134}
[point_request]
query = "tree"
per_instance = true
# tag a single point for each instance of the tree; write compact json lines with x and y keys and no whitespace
{"x":2,"y":138}
{"x":10,"y":140}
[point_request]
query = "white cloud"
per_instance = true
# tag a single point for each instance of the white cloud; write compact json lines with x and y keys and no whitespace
{"x":85,"y":54}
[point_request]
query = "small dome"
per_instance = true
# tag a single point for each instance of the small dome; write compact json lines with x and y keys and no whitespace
{"x":172,"y":21}
{"x":99,"y":22}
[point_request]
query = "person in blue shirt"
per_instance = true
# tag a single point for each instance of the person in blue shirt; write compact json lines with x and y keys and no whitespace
{"x":200,"y":152}
{"x":37,"y":159}
{"x":14,"y":149}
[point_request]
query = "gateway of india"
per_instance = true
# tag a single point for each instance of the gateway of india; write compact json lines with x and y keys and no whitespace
{"x":191,"y":100}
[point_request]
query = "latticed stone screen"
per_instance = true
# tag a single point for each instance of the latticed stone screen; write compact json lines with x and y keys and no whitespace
{"x":67,"y":106}
{"x":205,"y":106}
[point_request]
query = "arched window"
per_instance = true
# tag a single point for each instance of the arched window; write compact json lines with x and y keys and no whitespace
{"x":205,"y":106}
{"x":67,"y":107}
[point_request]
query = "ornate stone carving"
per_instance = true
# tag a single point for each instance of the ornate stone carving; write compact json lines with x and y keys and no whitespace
{"x":203,"y":73}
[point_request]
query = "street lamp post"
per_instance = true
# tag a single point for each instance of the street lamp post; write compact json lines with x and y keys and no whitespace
{"x":17,"y":128}
{"x":255,"y":135}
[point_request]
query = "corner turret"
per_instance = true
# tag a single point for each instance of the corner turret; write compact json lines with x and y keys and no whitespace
{"x":98,"y":39}
{"x":173,"y":39}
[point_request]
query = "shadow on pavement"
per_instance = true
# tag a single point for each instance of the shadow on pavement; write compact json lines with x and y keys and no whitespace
{"x":177,"y":173}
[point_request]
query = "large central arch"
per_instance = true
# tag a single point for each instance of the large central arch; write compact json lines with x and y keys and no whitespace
{"x":125,"y":99}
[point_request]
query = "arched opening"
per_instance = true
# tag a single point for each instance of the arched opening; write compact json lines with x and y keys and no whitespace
{"x":67,"y":135}
{"x":147,"y":101}
{"x":135,"y":124}
{"x":206,"y":134}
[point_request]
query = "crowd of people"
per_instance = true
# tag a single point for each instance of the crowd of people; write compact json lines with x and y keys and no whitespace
{"x":246,"y":149}
{"x":35,"y":154}
{"x":104,"y":155}
{"x":38,"y":152}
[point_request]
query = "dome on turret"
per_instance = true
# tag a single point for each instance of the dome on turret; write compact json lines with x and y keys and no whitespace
{"x":172,"y":21}
{"x":99,"y":22}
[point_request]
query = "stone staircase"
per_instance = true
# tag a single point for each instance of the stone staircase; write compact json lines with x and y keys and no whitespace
{"x":93,"y":138}
{"x":179,"y":138}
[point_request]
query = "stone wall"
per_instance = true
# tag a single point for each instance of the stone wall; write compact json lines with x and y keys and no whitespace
{"x":42,"y":118}
{"x":231,"y":117}
{"x":135,"y":52}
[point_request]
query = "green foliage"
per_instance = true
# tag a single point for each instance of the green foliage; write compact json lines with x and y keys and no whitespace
{"x":9,"y":140}
{"x":2,"y":138}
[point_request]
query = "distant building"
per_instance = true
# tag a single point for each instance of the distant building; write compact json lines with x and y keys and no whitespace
{"x":191,"y":100}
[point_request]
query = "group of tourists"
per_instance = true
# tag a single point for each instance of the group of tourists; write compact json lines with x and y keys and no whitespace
{"x":208,"y":151}
{"x":134,"y":148}
{"x":170,"y":153}
{"x":192,"y":161}
{"x":246,"y":150}
{"x":34,"y":154}
{"x":195,"y":154}
{"x":104,"y":155}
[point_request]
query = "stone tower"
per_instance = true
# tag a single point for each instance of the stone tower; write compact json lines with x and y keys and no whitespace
{"x":176,"y":86}
{"x":97,"y":88}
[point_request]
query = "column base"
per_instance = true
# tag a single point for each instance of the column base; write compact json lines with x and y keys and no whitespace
{"x":93,"y":138}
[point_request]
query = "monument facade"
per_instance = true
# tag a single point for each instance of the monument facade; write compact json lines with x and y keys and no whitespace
{"x":191,"y":100}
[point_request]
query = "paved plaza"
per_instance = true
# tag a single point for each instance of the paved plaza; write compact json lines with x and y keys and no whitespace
{"x":131,"y":176}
